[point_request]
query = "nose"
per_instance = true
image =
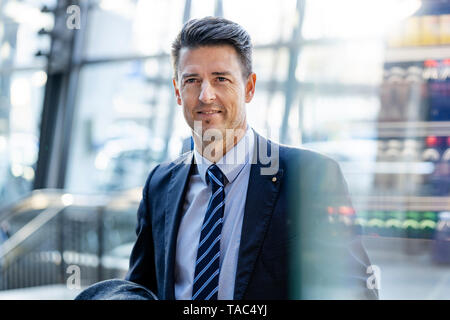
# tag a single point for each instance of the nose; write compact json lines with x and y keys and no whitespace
{"x":207,"y":95}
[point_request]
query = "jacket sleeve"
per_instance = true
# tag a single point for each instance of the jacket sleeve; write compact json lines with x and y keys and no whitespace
{"x":345,"y":243}
{"x":142,"y":260}
{"x":334,"y":262}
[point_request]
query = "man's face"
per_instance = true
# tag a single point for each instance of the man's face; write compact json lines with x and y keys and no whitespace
{"x":211,"y":87}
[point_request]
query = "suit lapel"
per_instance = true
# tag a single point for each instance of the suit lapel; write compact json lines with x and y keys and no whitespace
{"x":261,"y":196}
{"x":175,"y":198}
{"x":257,"y":215}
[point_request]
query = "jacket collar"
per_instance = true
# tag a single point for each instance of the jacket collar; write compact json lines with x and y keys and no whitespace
{"x":232,"y":162}
{"x":257,"y":214}
{"x":175,"y":197}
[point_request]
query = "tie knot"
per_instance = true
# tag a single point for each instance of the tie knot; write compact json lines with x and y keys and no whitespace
{"x":215,"y":176}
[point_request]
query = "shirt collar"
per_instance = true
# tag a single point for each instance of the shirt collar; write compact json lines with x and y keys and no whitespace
{"x":232,"y":163}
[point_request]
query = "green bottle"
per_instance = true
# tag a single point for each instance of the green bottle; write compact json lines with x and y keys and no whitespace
{"x":428,"y":224}
{"x":360,"y":222}
{"x":411,"y":225}
{"x":375,"y":224}
{"x":393,"y":223}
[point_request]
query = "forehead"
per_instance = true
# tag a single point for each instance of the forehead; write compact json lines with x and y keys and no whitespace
{"x":209,"y":58}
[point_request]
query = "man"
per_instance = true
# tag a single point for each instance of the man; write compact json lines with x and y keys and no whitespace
{"x":239,"y":217}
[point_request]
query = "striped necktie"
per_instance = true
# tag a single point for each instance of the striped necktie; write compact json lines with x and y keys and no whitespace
{"x":207,"y":265}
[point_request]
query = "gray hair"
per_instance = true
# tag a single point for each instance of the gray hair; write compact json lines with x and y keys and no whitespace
{"x":213,"y":31}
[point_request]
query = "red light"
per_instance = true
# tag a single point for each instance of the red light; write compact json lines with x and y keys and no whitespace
{"x":330,"y":210}
{"x":346,"y":211}
{"x":431,"y":141}
{"x":431,"y":63}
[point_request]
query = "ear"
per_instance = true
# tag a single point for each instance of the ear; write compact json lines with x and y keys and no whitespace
{"x":177,"y":91}
{"x":250,"y":87}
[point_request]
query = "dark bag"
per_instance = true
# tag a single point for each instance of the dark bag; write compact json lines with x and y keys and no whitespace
{"x":116,"y":289}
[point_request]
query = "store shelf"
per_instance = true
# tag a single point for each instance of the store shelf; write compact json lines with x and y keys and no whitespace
{"x":403,"y":129}
{"x":371,"y":167}
{"x":410,"y":54}
{"x":403,"y":203}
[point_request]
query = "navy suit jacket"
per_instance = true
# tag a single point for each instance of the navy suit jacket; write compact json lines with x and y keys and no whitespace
{"x":287,"y":248}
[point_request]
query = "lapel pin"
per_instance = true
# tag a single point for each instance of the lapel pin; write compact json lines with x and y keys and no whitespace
{"x":274,"y":179}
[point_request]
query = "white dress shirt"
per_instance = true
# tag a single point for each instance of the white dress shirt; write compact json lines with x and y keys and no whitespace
{"x":235,"y":165}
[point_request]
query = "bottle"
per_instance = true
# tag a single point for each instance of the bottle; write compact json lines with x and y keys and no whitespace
{"x":411,"y":227}
{"x":431,"y":152}
{"x":427,"y":74}
{"x":441,"y":244}
{"x":445,"y":92}
{"x":416,"y":105}
{"x":418,"y":179}
{"x":444,"y":168}
{"x":386,"y":97}
{"x":393,"y":224}
{"x":396,"y":37}
{"x":393,"y":154}
{"x":428,"y":224}
{"x":346,"y":219}
{"x":410,"y":155}
{"x":400,"y":94}
{"x":393,"y":150}
{"x":438,"y":88}
{"x":431,"y":75}
{"x":410,"y":152}
{"x":413,"y":31}
{"x":380,"y":179}
{"x":375,"y":223}
{"x":360,"y":222}
{"x":432,"y":155}
{"x":444,"y":32}
{"x":430,"y":30}
{"x":446,"y":152}
{"x":436,"y":181}
{"x":331,"y":215}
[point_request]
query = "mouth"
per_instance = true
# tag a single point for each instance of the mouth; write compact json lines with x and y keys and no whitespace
{"x":209,"y":112}
{"x":208,"y":115}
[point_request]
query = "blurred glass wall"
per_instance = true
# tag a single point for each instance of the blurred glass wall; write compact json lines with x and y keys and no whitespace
{"x":22,"y":82}
{"x":363,"y":81}
{"x":127,"y":119}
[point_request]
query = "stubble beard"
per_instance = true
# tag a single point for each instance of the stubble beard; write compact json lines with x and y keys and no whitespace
{"x":216,"y":142}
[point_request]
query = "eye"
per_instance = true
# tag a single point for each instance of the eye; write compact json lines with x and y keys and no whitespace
{"x":190,"y":80}
{"x":222,"y":79}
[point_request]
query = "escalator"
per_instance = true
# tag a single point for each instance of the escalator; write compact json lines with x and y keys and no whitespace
{"x":57,"y":238}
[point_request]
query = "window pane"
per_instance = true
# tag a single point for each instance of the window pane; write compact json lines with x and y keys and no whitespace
{"x":274,"y":21}
{"x":19,"y":25}
{"x":21,"y":92}
{"x":126,"y":116}
{"x":374,"y":97}
{"x":121,"y":28}
{"x":20,"y":108}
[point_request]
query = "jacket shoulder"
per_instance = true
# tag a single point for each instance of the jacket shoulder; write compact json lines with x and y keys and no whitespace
{"x":184,"y":158}
{"x":304,"y":156}
{"x":160,"y":175}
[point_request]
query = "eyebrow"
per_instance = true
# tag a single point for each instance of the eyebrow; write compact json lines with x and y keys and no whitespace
{"x":216,"y":73}
{"x":187,"y":75}
{"x":223,"y":73}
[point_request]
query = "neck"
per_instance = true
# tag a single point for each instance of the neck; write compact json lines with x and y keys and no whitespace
{"x":214,"y":150}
